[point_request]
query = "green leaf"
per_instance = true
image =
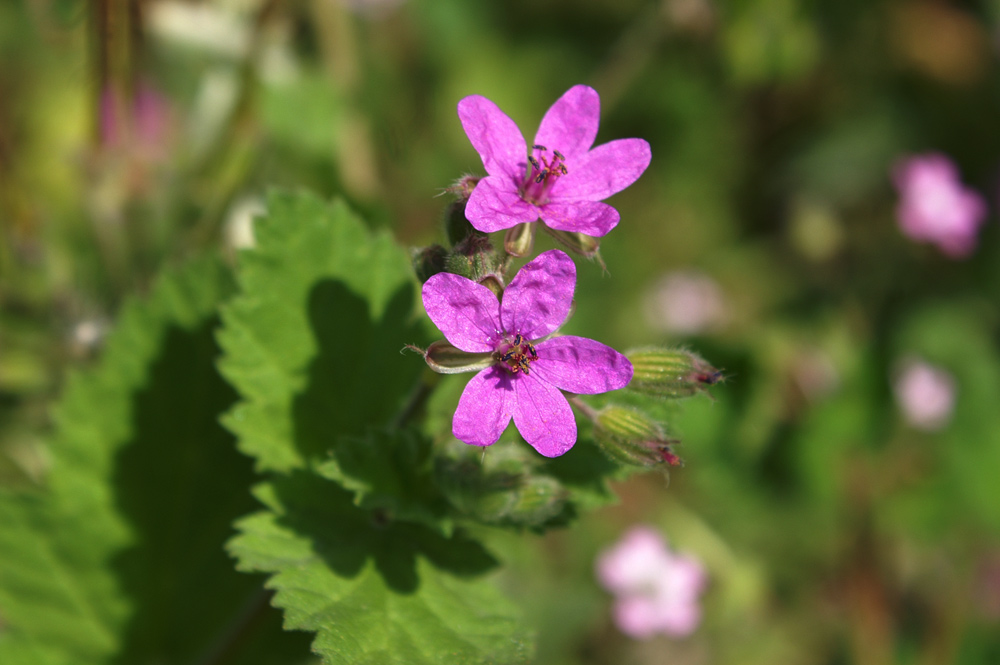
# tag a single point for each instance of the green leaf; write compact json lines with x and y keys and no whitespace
{"x":392,"y":472}
{"x":121,"y":559}
{"x":375,"y":591}
{"x":356,"y":537}
{"x":313,"y":343}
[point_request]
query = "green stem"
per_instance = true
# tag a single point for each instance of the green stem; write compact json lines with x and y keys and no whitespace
{"x":582,"y":406}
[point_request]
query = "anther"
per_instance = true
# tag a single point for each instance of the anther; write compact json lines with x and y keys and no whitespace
{"x":541,"y":175}
{"x":539,"y":147}
{"x":558,"y":155}
{"x":534,"y":162}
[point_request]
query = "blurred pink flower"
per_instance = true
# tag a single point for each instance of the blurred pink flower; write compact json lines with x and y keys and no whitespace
{"x":142,"y":123}
{"x":934,"y":206}
{"x":656,"y":590}
{"x":685,"y":302}
{"x":925,"y":394}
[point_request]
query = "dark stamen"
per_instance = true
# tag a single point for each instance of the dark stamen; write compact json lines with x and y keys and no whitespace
{"x":539,"y":147}
{"x":558,"y":155}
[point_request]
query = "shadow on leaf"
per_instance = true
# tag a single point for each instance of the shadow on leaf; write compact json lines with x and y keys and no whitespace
{"x":346,"y":537}
{"x":180,"y":483}
{"x":358,"y":379}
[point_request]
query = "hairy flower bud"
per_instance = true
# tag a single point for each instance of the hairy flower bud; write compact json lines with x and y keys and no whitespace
{"x":503,"y":490}
{"x":520,"y":240}
{"x":475,"y":258}
{"x":456,"y":227}
{"x":445,"y":358}
{"x":462,"y":188}
{"x":631,"y":437}
{"x":429,"y":261}
{"x":671,"y":372}
{"x":579,"y":243}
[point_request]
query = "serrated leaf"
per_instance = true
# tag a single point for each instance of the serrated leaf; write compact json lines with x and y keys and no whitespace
{"x":375,"y":592}
{"x":313,"y":342}
{"x":393,"y":472}
{"x":313,"y":346}
{"x":121,"y":559}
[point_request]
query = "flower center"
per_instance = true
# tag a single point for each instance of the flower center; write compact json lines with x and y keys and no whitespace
{"x":543,"y":170}
{"x":517,"y":355}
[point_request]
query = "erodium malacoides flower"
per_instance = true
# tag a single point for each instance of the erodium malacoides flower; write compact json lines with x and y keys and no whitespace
{"x":560,"y":179}
{"x":523,"y":365}
{"x":656,"y":590}
{"x":934,"y":205}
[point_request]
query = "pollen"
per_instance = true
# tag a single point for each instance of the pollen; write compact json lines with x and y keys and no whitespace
{"x":544,"y":168}
{"x":517,"y":354}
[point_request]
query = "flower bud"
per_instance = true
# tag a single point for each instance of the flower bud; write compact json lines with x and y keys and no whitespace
{"x":671,"y":372}
{"x":501,"y":491}
{"x":462,"y":188}
{"x":476,"y":258}
{"x":529,"y":502}
{"x":519,"y":240}
{"x":444,"y":358}
{"x":493,"y":283}
{"x":575,"y":241}
{"x":456,"y":226}
{"x":429,"y":261}
{"x":631,"y":437}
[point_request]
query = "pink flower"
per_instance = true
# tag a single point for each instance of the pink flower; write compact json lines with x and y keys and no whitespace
{"x":562,"y":180}
{"x":925,"y":394}
{"x":142,"y":124}
{"x":526,"y":366}
{"x":656,"y":590}
{"x":934,"y":206}
{"x":686,"y":302}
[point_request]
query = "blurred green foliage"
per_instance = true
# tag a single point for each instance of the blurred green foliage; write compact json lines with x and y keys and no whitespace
{"x":834,"y":531}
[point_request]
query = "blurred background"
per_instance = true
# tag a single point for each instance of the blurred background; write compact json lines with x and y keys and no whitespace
{"x":840,"y":487}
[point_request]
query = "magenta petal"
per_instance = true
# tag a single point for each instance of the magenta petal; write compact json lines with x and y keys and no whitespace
{"x":543,"y":416}
{"x":607,"y":169}
{"x":467,"y":313}
{"x":581,"y":365}
{"x":494,"y":136}
{"x":538,"y":299}
{"x":591,"y":218}
{"x":496,"y":205}
{"x":570,"y":125}
{"x":637,"y":616}
{"x":485,"y":408}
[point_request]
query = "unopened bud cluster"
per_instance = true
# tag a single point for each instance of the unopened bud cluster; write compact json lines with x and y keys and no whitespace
{"x":631,"y":437}
{"x":471,"y":254}
{"x":671,"y":372}
{"x":503,"y":491}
